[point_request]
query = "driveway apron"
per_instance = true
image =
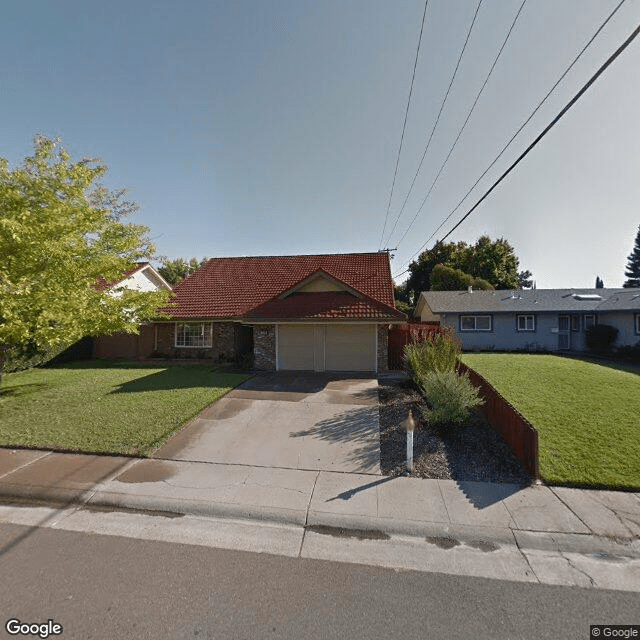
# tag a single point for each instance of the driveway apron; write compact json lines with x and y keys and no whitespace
{"x":313,"y":421}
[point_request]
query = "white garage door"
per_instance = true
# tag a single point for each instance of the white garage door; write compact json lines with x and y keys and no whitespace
{"x":320,"y":347}
{"x":350,"y":347}
{"x":296,"y":347}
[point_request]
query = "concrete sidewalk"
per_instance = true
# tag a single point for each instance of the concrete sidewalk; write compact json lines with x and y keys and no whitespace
{"x":535,"y":517}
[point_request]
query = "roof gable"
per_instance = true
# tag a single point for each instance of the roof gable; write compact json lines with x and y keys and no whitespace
{"x":319,"y":281}
{"x":231,"y":287}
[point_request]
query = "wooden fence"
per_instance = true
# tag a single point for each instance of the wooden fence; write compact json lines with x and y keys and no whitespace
{"x":402,"y":334}
{"x":514,"y":428}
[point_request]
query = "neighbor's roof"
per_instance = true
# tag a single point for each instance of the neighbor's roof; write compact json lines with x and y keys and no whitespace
{"x":533,"y":300}
{"x":231,"y":287}
{"x":102,"y":284}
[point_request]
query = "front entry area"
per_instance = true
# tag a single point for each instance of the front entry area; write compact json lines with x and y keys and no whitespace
{"x":326,"y":347}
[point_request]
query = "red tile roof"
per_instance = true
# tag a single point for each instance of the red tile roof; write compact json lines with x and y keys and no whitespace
{"x":323,"y":305}
{"x":231,"y":287}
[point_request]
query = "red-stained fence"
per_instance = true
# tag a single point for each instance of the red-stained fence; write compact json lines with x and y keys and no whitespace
{"x":401,"y":335}
{"x":514,"y":428}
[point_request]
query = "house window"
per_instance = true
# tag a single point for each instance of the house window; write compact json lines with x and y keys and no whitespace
{"x":475,"y":323}
{"x":575,"y":323}
{"x":589,"y":321}
{"x":637,"y":322}
{"x":193,"y":334}
{"x":526,"y":323}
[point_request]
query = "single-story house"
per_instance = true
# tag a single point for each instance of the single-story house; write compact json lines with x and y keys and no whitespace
{"x":143,"y":277}
{"x":532,"y":319}
{"x":308,"y":312}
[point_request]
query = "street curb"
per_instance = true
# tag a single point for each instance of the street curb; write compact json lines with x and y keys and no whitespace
{"x":439,"y":533}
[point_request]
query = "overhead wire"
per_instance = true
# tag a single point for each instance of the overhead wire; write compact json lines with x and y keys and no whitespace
{"x":570,"y":104}
{"x":455,"y":142}
{"x":513,"y":137}
{"x":406,"y":113}
{"x":435,"y":125}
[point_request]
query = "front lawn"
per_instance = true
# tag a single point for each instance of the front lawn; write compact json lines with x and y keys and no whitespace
{"x":105,"y":407}
{"x":587,"y":414}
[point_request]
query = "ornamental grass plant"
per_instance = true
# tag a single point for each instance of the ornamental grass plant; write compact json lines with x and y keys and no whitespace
{"x":432,"y":363}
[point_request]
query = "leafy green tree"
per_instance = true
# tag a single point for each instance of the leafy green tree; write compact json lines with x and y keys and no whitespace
{"x":633,"y":265}
{"x":445,"y":278}
{"x":493,"y":261}
{"x":61,"y":234}
{"x":449,"y":254}
{"x":402,"y":299}
{"x":175,"y":271}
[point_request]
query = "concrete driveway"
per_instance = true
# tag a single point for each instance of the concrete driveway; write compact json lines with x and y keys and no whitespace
{"x":314,"y":421}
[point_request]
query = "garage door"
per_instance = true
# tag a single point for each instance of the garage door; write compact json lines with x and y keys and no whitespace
{"x":327,"y":347}
{"x":350,"y":348}
{"x":296,"y":347}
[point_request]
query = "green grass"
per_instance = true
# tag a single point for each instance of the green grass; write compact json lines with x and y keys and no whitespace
{"x":105,"y":407}
{"x":587,"y":414}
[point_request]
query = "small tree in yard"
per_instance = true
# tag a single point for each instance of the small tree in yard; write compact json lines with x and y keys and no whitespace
{"x":60,"y":234}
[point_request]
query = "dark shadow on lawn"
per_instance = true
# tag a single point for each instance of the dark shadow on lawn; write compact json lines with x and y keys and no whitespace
{"x":175,"y":377}
{"x":356,"y":425}
{"x":618,"y":365}
{"x":22,"y":389}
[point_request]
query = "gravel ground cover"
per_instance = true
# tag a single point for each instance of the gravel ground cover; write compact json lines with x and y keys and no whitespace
{"x":471,"y":452}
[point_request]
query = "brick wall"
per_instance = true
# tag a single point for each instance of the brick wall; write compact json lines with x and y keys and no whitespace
{"x":383,"y":348}
{"x":222,"y":349}
{"x":264,"y":347}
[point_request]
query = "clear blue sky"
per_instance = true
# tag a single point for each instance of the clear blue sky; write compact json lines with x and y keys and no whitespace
{"x":272,"y":127}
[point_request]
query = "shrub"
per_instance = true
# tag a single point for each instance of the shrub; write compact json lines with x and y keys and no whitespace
{"x":436,"y":352}
{"x":451,"y":397}
{"x":600,"y":337}
{"x":628,"y":352}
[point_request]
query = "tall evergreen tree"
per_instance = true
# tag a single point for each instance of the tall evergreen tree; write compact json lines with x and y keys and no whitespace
{"x":599,"y":283}
{"x":633,"y":265}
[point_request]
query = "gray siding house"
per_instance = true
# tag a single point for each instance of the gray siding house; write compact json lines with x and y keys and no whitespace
{"x":532,"y":319}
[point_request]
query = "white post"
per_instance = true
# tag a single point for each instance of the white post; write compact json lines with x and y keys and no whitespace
{"x":410,"y":426}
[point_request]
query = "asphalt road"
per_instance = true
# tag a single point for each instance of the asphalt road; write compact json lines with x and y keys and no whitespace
{"x":99,"y":586}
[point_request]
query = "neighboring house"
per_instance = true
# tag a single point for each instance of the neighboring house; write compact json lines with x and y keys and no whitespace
{"x":309,"y":312}
{"x":126,"y":345}
{"x":532,"y":319}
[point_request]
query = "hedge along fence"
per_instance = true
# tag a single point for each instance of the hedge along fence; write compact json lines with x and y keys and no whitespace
{"x":401,"y":335}
{"x":514,"y":428}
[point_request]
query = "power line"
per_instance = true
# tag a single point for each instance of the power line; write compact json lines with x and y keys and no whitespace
{"x":575,"y":99}
{"x":406,"y":113}
{"x":435,"y":125}
{"x":473,"y":106}
{"x":513,"y":137}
